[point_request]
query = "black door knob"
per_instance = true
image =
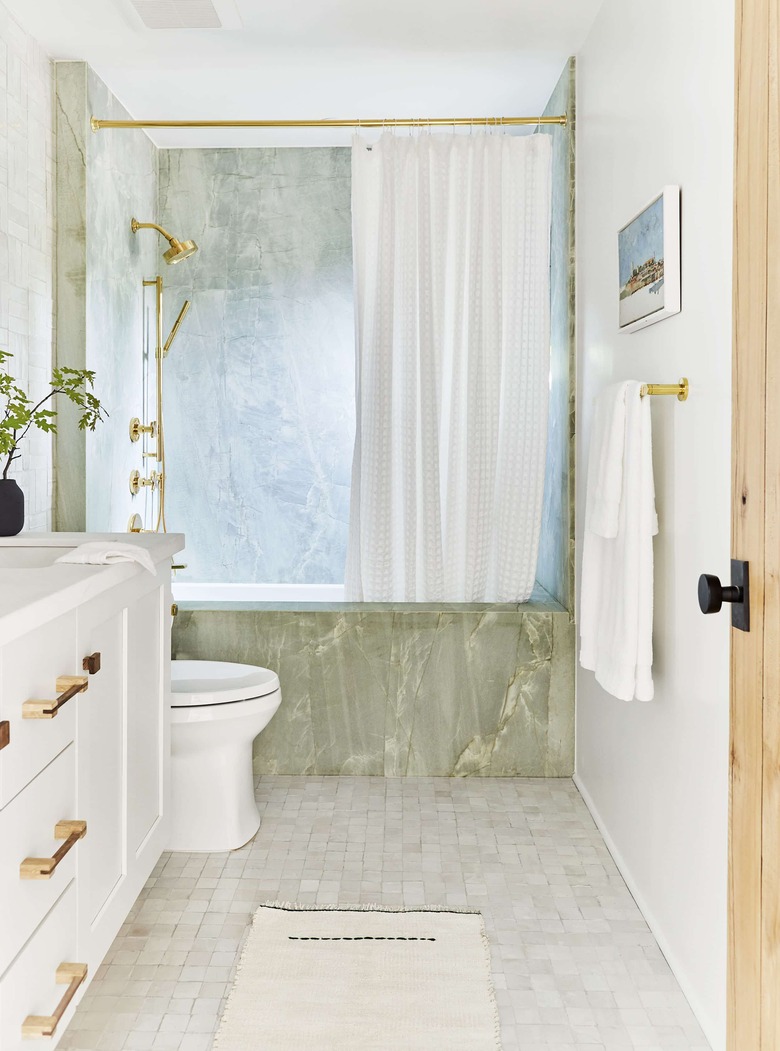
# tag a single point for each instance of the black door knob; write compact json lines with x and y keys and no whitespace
{"x":712,"y":594}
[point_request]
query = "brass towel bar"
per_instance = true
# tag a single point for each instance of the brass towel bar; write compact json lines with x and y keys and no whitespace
{"x":680,"y":389}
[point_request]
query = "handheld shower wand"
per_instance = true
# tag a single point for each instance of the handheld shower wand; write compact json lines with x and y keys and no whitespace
{"x":175,"y":330}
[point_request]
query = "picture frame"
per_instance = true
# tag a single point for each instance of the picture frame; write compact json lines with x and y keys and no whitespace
{"x":649,"y":270}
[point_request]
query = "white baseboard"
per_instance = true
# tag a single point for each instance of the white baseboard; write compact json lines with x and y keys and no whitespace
{"x":708,"y":1024}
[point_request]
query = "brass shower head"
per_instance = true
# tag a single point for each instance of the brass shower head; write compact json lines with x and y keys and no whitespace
{"x":179,"y":249}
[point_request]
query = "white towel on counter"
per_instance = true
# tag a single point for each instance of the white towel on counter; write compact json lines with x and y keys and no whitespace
{"x":106,"y":553}
{"x":616,"y":600}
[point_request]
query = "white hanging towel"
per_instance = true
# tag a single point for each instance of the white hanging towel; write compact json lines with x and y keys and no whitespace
{"x":616,"y":603}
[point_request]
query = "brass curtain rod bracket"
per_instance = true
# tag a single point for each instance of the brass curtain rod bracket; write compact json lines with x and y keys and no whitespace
{"x":679,"y":389}
{"x":406,"y":122}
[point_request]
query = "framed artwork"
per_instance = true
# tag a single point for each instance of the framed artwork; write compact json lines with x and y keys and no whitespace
{"x":649,"y":263}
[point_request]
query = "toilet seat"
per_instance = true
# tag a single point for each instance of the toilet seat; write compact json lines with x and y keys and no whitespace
{"x":196,"y":684}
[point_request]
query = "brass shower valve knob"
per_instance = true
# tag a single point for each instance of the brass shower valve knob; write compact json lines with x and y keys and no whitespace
{"x":137,"y":428}
{"x":137,"y":482}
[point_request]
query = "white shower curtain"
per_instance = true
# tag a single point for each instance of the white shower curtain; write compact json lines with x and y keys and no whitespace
{"x":451,"y":254}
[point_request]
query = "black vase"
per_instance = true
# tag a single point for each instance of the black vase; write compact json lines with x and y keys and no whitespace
{"x":11,"y":507}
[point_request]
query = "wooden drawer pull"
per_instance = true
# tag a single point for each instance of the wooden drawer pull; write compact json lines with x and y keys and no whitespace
{"x":70,"y":974}
{"x":42,"y":868}
{"x":67,"y":686}
{"x":91,"y":664}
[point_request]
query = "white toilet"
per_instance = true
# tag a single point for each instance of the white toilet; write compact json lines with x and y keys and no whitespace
{"x":217,"y":710}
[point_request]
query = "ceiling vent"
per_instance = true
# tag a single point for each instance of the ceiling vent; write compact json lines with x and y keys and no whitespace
{"x":178,"y":14}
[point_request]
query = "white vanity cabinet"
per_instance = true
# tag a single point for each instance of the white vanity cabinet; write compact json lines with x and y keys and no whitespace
{"x":84,"y":745}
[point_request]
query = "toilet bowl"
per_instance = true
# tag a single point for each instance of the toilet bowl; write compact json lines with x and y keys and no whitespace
{"x":217,"y":710}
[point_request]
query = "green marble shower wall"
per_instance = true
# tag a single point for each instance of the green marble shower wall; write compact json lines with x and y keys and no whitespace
{"x":555,"y":567}
{"x":396,"y":693}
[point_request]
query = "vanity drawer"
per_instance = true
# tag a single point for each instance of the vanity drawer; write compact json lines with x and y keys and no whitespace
{"x":27,"y":831}
{"x":29,"y":670}
{"x":35,"y":985}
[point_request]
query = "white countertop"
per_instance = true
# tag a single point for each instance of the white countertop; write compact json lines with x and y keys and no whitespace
{"x":33,"y":590}
{"x":160,"y":545}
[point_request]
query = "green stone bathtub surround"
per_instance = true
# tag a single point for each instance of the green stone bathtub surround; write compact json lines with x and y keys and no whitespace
{"x":464,"y":694}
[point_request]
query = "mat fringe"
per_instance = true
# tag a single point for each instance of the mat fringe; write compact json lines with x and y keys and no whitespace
{"x":491,"y":986}
{"x":295,"y":906}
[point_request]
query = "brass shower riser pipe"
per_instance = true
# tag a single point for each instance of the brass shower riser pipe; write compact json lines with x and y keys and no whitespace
{"x":407,"y":122}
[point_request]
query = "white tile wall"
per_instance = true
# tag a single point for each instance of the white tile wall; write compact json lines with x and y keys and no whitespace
{"x":27,"y":241}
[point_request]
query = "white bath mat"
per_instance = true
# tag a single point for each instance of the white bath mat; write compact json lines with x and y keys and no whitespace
{"x":351,"y":978}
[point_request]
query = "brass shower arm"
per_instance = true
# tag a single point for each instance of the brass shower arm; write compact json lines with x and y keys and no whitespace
{"x":135,"y":226}
{"x":179,"y":249}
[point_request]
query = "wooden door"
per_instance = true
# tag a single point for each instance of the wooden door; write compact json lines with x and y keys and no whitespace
{"x":754,"y":851}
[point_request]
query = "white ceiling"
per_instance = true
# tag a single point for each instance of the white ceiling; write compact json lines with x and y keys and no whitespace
{"x":285,"y":59}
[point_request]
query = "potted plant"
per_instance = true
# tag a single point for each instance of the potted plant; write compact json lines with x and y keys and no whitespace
{"x":18,"y":413}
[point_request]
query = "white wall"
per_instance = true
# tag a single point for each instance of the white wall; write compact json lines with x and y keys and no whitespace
{"x":27,"y":243}
{"x":655,"y":99}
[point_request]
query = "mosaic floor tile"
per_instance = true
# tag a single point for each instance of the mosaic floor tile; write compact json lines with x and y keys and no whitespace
{"x":574,"y":963}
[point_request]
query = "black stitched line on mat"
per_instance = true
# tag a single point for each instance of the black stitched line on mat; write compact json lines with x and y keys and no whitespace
{"x":358,"y":938}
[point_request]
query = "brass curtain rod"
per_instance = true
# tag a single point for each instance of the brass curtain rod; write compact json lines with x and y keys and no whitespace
{"x":410,"y":122}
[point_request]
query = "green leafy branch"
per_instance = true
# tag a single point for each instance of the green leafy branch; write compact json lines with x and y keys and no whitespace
{"x":18,"y":412}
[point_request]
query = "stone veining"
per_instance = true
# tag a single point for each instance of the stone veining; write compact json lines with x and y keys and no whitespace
{"x":101,"y":181}
{"x":555,"y":568}
{"x":404,"y":693}
{"x":259,"y":436}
